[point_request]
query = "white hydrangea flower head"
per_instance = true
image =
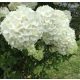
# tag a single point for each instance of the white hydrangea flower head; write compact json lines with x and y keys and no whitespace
{"x":51,"y":18}
{"x":14,"y":5}
{"x":57,"y":30}
{"x":3,"y":11}
{"x":21,"y":28}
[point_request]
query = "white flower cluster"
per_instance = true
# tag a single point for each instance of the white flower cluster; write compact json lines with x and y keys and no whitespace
{"x":57,"y":30}
{"x":23,"y":27}
{"x":14,"y":5}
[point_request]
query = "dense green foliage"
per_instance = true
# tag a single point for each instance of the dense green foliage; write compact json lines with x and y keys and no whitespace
{"x":17,"y":64}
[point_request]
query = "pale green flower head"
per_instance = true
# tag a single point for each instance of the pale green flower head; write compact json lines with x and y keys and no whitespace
{"x":14,"y":5}
{"x":3,"y":11}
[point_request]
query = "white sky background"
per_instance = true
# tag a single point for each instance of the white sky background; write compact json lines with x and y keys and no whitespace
{"x":39,"y":0}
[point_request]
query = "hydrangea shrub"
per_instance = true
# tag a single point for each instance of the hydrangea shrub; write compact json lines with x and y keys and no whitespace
{"x":38,"y":57}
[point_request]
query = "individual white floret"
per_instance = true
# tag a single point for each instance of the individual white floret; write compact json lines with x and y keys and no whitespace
{"x":22,"y":29}
{"x":14,"y":5}
{"x":57,"y":30}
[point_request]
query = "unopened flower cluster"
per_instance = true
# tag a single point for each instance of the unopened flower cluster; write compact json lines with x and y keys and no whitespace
{"x":24,"y":27}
